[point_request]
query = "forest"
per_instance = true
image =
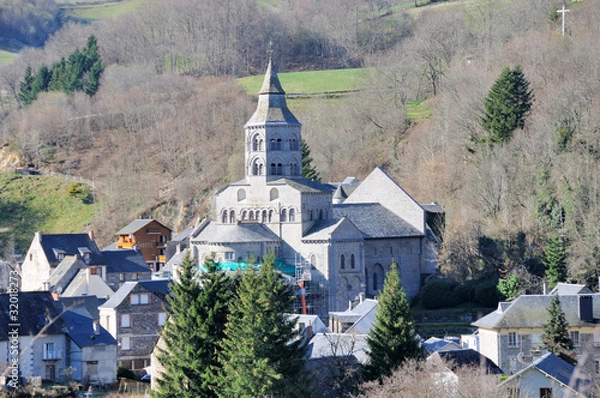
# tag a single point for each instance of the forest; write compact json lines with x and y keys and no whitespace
{"x":165,"y":128}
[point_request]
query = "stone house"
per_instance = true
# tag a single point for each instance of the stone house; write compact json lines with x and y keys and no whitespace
{"x":512,"y":335}
{"x":37,"y":332}
{"x":150,"y":237}
{"x":338,"y":239}
{"x":134,"y":316}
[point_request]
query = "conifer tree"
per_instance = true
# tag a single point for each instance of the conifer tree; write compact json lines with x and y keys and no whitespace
{"x":26,"y":95}
{"x":556,"y":332}
{"x":506,"y":105}
{"x":308,"y":170}
{"x":41,"y":80}
{"x":555,"y":260}
{"x":193,"y":334}
{"x":263,"y":355}
{"x":393,"y":338}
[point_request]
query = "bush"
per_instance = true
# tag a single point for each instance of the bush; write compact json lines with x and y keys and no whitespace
{"x":79,"y":190}
{"x":486,"y":294}
{"x":439,"y":294}
{"x":124,"y":373}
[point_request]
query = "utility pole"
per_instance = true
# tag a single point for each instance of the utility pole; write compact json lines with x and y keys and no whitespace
{"x":563,"y":11}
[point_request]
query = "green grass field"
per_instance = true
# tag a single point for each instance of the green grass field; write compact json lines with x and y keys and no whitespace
{"x":310,"y":82}
{"x":7,"y":57}
{"x":88,"y":13}
{"x":39,"y":203}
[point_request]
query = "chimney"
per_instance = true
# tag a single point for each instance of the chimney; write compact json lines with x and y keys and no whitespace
{"x":91,"y":234}
{"x":96,"y":327}
{"x":309,"y":330}
{"x":585,"y":308}
{"x":545,"y":288}
{"x":55,"y":295}
{"x":38,"y":236}
{"x":361,"y":297}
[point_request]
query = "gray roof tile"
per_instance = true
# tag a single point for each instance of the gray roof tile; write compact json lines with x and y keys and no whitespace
{"x":236,"y":233}
{"x":375,"y":221}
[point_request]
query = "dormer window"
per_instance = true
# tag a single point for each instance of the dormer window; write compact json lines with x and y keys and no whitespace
{"x":59,"y":254}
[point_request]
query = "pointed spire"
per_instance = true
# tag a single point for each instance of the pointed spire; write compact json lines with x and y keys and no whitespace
{"x":271,"y":84}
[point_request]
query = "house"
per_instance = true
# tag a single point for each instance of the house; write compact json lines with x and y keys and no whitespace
{"x":48,"y":251}
{"x":134,"y":316}
{"x":511,"y":336}
{"x":338,"y":239}
{"x":150,"y":237}
{"x":86,"y":283}
{"x":92,"y":351}
{"x":125,"y":265}
{"x":548,"y":377}
{"x":32,"y":336}
{"x":9,"y":276}
{"x":358,"y":319}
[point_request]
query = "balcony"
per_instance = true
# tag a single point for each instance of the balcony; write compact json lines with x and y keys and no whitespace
{"x":50,"y":356}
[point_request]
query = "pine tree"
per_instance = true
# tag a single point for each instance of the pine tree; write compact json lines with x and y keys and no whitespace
{"x":308,"y":170}
{"x":26,"y":95}
{"x":506,"y":105}
{"x":555,"y":260}
{"x":93,"y":66}
{"x":41,"y":80}
{"x":556,"y":334}
{"x":263,"y":355}
{"x":198,"y":314}
{"x":393,"y":338}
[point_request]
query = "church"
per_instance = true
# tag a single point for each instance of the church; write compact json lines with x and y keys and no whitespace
{"x":334,"y":241}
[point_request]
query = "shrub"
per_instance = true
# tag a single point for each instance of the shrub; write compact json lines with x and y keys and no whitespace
{"x":486,"y":294}
{"x":123,"y":372}
{"x":79,"y":190}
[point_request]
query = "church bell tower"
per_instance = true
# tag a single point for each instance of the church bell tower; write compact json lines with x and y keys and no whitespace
{"x":272,"y":142}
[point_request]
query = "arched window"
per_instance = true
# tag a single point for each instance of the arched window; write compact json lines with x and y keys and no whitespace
{"x":274,"y":194}
{"x":270,"y":215}
{"x":264,"y":216}
{"x":257,"y":143}
{"x":251,"y":215}
{"x":343,"y":262}
{"x":279,"y":169}
{"x":244,"y":214}
{"x":232,"y":217}
{"x":313,"y":260}
{"x":391,"y":250}
{"x":320,"y":214}
{"x":283,"y":215}
{"x":293,"y":143}
{"x":352,"y":263}
{"x":224,"y":219}
{"x":293,"y":169}
{"x":241,"y":195}
{"x":311,"y":215}
{"x":375,"y":284}
{"x":275,"y":144}
{"x":273,"y":169}
{"x":292,"y":215}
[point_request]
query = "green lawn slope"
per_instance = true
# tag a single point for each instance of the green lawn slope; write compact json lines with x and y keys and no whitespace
{"x":39,"y":203}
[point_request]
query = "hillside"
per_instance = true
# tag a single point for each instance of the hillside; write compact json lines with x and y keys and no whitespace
{"x":39,"y":203}
{"x":165,"y":128}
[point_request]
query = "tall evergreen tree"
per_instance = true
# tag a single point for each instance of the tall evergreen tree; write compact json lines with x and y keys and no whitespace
{"x":308,"y":170}
{"x":198,"y":314}
{"x":393,"y":338}
{"x":556,"y":332}
{"x":263,"y":355}
{"x":26,"y":94}
{"x":555,"y":260}
{"x":41,"y":80}
{"x":506,"y":105}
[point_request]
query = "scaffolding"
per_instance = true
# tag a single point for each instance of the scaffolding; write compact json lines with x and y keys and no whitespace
{"x":309,"y":289}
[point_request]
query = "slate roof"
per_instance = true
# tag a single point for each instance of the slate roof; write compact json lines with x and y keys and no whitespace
{"x":324,"y":345}
{"x":321,"y":230}
{"x":79,"y":286}
{"x":69,"y":244}
{"x":375,"y":221}
{"x":79,"y":327}
{"x":125,"y":260}
{"x":67,"y":268}
{"x":236,"y":233}
{"x":90,"y":303}
{"x":530,"y":311}
{"x":36,"y":310}
{"x":435,"y":344}
{"x":136,"y":225}
{"x":558,"y":369}
{"x":569,"y":289}
{"x":303,"y":185}
{"x":159,"y":287}
{"x":272,"y":106}
{"x":468,"y":357}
